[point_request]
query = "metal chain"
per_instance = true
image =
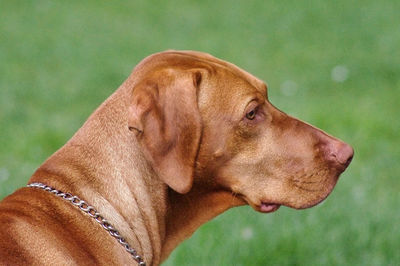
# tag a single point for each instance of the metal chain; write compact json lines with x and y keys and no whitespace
{"x":85,"y":207}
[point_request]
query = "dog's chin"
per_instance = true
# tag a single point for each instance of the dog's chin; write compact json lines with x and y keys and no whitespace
{"x":305,"y":202}
{"x":269,"y":207}
{"x":309,"y":204}
{"x":314,"y":197}
{"x":266,"y":207}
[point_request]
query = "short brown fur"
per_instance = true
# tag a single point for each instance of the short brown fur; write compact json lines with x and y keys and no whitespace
{"x":185,"y":137}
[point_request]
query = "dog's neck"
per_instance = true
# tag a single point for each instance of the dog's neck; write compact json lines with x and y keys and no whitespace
{"x":103,"y":165}
{"x":189,"y":211}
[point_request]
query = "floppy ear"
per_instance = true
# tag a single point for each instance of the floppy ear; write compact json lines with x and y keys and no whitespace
{"x":165,"y":116}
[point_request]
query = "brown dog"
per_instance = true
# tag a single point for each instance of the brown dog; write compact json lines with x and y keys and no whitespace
{"x":186,"y":137}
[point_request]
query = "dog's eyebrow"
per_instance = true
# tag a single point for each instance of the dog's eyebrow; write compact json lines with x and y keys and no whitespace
{"x":261,"y":88}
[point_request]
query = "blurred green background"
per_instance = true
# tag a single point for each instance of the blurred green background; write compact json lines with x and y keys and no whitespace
{"x":335,"y":64}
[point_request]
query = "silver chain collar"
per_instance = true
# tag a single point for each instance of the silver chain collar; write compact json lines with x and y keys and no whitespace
{"x":85,"y":207}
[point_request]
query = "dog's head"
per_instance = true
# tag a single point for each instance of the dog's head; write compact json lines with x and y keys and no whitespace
{"x":203,"y":122}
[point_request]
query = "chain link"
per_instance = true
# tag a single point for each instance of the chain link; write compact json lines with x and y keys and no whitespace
{"x":92,"y":212}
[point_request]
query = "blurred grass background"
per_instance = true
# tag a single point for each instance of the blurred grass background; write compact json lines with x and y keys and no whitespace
{"x":335,"y":64}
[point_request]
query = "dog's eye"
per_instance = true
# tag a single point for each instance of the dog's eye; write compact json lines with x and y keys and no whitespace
{"x":252,"y":114}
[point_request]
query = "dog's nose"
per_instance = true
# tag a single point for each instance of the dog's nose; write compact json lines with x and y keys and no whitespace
{"x":340,"y":153}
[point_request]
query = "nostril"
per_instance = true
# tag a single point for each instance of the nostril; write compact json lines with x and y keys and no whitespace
{"x":340,"y":153}
{"x":343,"y":154}
{"x":350,"y":159}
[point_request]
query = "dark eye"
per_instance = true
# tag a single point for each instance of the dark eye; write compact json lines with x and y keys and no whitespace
{"x":252,"y":114}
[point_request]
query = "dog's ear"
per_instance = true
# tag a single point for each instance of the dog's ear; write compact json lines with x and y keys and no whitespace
{"x":165,"y":117}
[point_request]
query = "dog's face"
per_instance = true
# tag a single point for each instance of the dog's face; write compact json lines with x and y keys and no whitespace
{"x":261,"y":154}
{"x":203,"y":122}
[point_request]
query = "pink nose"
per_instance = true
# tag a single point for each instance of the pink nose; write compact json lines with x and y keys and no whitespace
{"x":340,"y":153}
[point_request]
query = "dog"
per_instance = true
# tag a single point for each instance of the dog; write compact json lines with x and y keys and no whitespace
{"x":186,"y":137}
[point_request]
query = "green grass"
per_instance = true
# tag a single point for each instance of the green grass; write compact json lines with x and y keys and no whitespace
{"x":60,"y":59}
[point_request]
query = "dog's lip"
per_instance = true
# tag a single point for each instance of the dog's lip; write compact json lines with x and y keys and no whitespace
{"x":263,"y":206}
{"x":266,"y":207}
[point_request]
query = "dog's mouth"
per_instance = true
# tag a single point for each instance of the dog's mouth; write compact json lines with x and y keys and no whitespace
{"x":268,"y":207}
